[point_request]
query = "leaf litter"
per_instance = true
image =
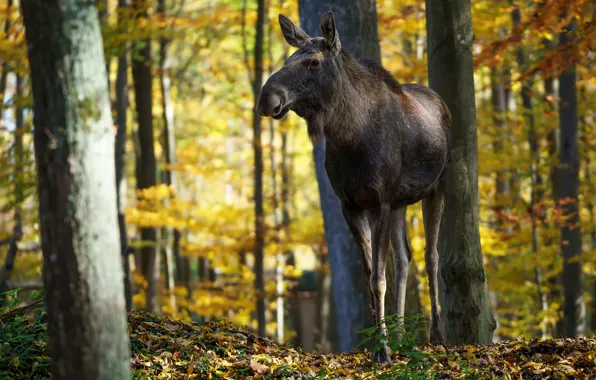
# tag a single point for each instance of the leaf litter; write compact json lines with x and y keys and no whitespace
{"x":162,"y":348}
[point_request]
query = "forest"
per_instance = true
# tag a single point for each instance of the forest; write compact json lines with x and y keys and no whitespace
{"x":153,"y":224}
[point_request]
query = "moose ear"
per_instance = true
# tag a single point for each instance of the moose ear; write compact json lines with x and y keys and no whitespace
{"x":293,"y":34}
{"x":329,"y":31}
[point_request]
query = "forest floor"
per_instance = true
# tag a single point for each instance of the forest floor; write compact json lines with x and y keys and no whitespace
{"x":163,"y":348}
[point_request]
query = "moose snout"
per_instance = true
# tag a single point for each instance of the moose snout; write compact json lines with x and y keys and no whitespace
{"x":270,"y":103}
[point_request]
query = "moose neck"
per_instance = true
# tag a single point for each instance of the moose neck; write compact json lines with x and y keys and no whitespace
{"x":346,"y":120}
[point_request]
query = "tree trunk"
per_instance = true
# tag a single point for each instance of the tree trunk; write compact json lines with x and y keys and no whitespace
{"x":4,"y":66}
{"x":74,"y":152}
{"x":284,"y":167}
{"x":258,"y":184}
{"x":169,"y":147}
{"x":143,"y":80}
{"x":279,"y":259}
{"x":102,"y":11}
{"x":277,"y":219}
{"x":588,"y":145}
{"x":574,"y":310}
{"x":536,"y":190}
{"x":500,"y":106}
{"x":120,"y":151}
{"x":17,"y":232}
{"x":553,"y":159}
{"x":413,"y":302}
{"x":465,"y":299}
{"x":357,"y":26}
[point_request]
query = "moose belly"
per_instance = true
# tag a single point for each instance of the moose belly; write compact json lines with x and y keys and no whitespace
{"x":359,"y":188}
{"x":416,"y":185}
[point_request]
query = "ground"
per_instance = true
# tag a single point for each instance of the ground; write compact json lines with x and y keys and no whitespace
{"x":163,"y":348}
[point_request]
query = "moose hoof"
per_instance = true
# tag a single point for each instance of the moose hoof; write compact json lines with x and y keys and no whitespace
{"x":382,"y":356}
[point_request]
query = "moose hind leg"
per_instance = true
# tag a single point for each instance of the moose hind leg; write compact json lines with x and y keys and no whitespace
{"x":380,"y":247}
{"x":432,"y":209}
{"x":401,"y":258}
{"x":360,"y":228}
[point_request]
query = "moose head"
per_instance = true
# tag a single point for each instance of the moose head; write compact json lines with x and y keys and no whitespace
{"x":307,"y":80}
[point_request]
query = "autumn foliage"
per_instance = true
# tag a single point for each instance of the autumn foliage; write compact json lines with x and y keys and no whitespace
{"x":212,"y":203}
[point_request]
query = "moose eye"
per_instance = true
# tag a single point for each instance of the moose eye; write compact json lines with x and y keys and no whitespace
{"x":314,"y":64}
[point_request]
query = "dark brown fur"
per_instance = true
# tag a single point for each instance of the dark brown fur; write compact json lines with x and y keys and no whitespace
{"x":387,"y":148}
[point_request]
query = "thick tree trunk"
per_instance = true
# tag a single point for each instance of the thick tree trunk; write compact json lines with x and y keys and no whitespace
{"x":357,"y":27}
{"x":574,"y":308}
{"x":465,"y":299}
{"x":143,"y":80}
{"x":258,"y":184}
{"x":120,"y":151}
{"x":74,"y":152}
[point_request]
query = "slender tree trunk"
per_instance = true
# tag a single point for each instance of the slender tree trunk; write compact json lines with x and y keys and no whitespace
{"x":143,"y":80}
{"x":169,"y":147}
{"x":356,"y":22}
{"x":120,"y":151}
{"x":284,"y":168}
{"x":500,"y":107}
{"x":536,"y":192}
{"x":102,"y":11}
{"x":258,"y":178}
{"x":499,"y":78}
{"x":74,"y":152}
{"x":553,"y":159}
{"x":466,"y":305}
{"x":277,"y":220}
{"x":413,"y":302}
{"x":574,"y":308}
{"x":323,"y":305}
{"x":279,"y":260}
{"x":588,"y":146}
{"x":17,"y":232}
{"x":4,"y":66}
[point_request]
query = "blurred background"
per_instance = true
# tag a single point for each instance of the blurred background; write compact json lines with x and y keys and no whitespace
{"x":183,"y":76}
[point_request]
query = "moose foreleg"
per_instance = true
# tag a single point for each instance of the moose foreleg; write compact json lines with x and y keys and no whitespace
{"x":360,"y":228}
{"x":401,"y":258}
{"x":432,"y":208}
{"x":380,"y":248}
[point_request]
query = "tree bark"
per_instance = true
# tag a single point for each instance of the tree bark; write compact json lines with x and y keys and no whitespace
{"x":574,"y":309}
{"x":74,"y":152}
{"x":146,"y":175}
{"x":120,"y":151}
{"x":357,"y":28}
{"x":465,"y":299}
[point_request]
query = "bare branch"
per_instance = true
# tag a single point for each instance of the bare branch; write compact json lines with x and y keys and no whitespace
{"x":24,"y":284}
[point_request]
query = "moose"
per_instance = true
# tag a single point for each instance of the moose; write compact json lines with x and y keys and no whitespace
{"x":387,"y":147}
